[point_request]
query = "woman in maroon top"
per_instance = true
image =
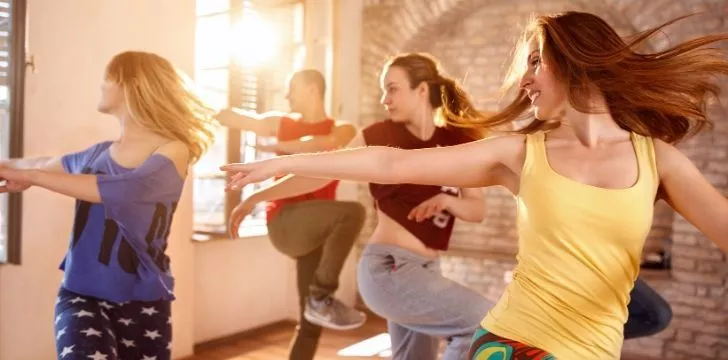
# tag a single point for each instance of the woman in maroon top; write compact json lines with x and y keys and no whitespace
{"x":399,"y":275}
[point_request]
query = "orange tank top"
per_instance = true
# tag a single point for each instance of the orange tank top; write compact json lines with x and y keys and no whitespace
{"x":290,"y":129}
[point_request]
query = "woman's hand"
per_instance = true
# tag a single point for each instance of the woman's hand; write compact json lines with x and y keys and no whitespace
{"x":16,"y":180}
{"x":242,"y":174}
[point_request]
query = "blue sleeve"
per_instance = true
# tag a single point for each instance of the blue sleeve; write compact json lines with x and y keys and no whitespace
{"x":74,"y":163}
{"x":155,"y":180}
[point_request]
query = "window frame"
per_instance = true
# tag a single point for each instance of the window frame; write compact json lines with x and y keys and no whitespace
{"x":16,"y":99}
{"x":236,"y":141}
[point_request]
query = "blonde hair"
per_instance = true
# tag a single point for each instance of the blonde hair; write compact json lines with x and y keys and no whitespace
{"x":160,"y":98}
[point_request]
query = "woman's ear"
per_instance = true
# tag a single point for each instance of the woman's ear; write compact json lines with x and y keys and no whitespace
{"x":423,"y":90}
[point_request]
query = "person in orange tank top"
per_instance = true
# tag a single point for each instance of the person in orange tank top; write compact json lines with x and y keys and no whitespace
{"x":313,"y":228}
{"x":586,"y":172}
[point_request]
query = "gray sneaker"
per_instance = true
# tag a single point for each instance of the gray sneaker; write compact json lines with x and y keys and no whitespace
{"x":333,"y":314}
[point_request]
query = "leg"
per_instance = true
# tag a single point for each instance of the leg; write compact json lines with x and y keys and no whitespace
{"x":337,"y":245}
{"x":300,"y":228}
{"x":332,"y":226}
{"x":411,"y":345}
{"x":489,"y":346}
{"x":409,"y":290}
{"x":82,"y":332}
{"x":649,"y":313}
{"x":306,"y":338}
{"x":143,"y":329}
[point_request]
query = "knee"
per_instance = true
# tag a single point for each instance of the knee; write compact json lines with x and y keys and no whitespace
{"x":477,"y":311}
{"x":354,"y":212}
{"x":663,"y":315}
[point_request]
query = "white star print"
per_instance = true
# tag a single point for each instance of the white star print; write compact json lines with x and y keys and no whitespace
{"x":126,"y":321}
{"x":60,"y":332}
{"x":113,"y":351}
{"x":104,"y":314}
{"x":83,"y":313}
{"x":128,"y":343}
{"x":169,"y":320}
{"x":98,"y":356}
{"x":91,"y":332}
{"x":152,"y":334}
{"x":58,"y":300}
{"x":67,"y":350}
{"x":149,"y":311}
{"x":149,"y":357}
{"x":169,"y":346}
{"x":58,"y":318}
{"x":111,"y":333}
{"x":77,"y":299}
{"x":105,"y":305}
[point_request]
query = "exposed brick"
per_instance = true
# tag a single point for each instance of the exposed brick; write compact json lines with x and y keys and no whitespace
{"x":698,"y":278}
{"x":692,"y":252}
{"x":697,"y":352}
{"x":700,"y":326}
{"x":708,"y":340}
{"x":717,"y":291}
{"x":640,"y":348}
{"x":683,"y":264}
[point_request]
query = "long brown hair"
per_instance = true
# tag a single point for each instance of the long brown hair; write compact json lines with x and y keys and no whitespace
{"x":662,"y":95}
{"x":161,"y":99}
{"x":452,"y":104}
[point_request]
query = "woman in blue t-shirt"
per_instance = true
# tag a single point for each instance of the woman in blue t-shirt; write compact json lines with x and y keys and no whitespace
{"x":114,"y":301}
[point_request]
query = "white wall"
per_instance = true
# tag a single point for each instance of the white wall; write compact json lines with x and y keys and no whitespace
{"x":240,"y":285}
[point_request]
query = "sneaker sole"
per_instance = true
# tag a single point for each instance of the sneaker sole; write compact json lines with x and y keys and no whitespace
{"x":323,"y":323}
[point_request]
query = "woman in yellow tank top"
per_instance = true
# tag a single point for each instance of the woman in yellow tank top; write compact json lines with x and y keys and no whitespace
{"x":585,"y":174}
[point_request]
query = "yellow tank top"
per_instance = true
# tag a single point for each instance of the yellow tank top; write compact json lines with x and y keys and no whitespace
{"x":579,"y":255}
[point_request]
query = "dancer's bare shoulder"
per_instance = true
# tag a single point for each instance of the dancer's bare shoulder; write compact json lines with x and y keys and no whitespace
{"x":178,"y":153}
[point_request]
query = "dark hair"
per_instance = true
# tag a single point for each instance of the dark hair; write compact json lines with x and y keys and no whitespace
{"x":662,"y":95}
{"x":446,"y":94}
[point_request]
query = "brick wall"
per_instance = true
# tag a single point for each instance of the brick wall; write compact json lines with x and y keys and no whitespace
{"x":473,"y":39}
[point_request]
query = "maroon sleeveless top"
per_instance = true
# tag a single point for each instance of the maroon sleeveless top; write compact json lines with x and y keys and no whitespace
{"x":397,"y":200}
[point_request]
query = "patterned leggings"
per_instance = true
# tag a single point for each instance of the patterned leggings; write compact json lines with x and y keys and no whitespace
{"x":90,"y":328}
{"x":488,"y":346}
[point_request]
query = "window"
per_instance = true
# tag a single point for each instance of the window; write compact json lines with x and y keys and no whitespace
{"x":242,"y":58}
{"x":12,"y":74}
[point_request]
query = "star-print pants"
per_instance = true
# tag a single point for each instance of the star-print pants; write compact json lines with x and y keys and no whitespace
{"x":90,"y":328}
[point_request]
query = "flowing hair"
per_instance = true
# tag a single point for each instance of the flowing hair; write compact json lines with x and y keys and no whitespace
{"x":663,"y":94}
{"x":160,"y":98}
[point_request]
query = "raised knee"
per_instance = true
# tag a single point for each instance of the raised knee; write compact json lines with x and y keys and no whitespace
{"x":354,"y":211}
{"x":663,"y":316}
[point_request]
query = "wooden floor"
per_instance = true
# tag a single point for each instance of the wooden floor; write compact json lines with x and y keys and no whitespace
{"x":271,"y":343}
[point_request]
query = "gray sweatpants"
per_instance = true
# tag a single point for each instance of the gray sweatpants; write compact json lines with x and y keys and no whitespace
{"x":420,"y":305}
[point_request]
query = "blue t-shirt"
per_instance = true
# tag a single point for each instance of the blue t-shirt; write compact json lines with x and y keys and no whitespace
{"x":117,"y":247}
